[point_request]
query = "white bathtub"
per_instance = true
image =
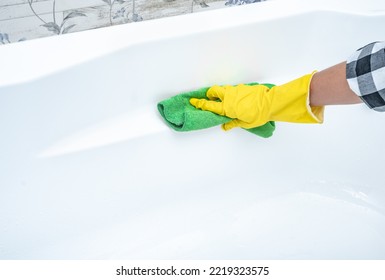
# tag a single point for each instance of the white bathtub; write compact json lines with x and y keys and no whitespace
{"x":88,"y":170}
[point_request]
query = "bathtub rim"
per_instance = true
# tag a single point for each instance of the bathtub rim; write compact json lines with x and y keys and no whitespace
{"x":63,"y":54}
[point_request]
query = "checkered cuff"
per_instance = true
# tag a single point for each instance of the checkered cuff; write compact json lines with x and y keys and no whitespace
{"x":365,"y":73}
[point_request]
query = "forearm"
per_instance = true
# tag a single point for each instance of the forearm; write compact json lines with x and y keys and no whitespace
{"x":329,"y":87}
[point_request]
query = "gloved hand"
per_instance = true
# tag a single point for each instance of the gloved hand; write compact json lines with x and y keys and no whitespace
{"x":252,"y":106}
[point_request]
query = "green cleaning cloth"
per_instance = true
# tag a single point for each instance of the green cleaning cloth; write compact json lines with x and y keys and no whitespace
{"x":180,"y":115}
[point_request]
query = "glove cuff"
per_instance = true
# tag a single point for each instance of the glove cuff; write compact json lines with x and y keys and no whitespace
{"x":316,"y":112}
{"x":291,"y":102}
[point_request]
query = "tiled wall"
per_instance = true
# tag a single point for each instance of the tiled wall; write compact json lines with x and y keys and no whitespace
{"x":28,"y":19}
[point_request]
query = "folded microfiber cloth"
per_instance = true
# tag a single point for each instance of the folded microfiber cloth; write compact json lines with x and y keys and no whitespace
{"x":180,"y":115}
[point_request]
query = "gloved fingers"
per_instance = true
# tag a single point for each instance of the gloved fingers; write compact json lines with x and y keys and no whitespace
{"x":231,"y":124}
{"x":238,"y":123}
{"x":207,"y":105}
{"x":216,"y":92}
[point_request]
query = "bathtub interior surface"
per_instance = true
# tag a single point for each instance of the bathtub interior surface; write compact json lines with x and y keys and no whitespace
{"x":90,"y":171}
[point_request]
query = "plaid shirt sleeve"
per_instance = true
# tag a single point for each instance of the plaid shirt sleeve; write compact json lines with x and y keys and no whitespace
{"x":365,"y":73}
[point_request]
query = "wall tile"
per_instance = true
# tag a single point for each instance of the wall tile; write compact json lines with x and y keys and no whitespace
{"x":29,"y":19}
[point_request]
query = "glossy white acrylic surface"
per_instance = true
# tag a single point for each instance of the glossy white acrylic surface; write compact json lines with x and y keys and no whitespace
{"x":88,"y":170}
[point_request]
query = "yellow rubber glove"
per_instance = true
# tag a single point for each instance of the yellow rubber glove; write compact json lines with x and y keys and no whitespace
{"x":252,"y":106}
